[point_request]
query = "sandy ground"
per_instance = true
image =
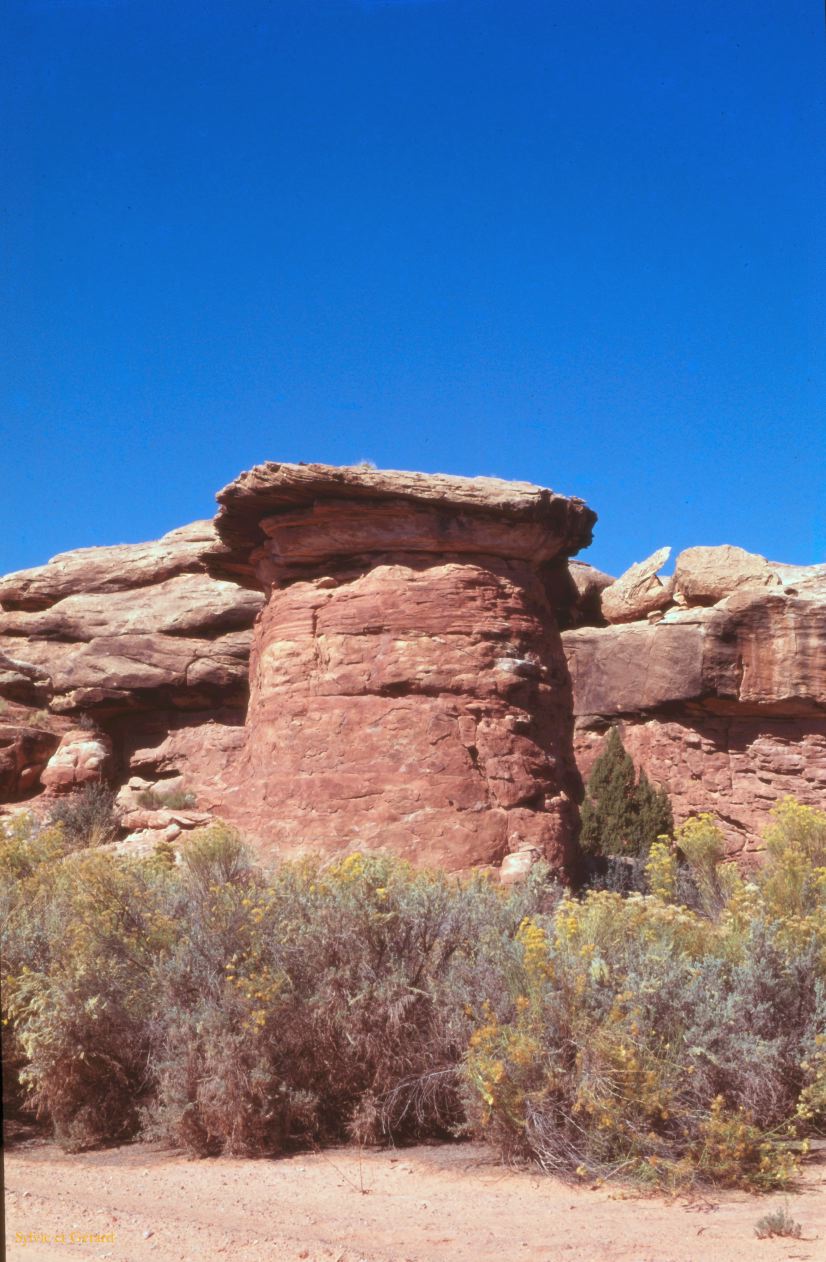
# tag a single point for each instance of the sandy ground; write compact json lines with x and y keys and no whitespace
{"x":407,"y":1205}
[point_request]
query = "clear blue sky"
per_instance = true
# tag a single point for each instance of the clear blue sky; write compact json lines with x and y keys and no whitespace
{"x":578,"y":242}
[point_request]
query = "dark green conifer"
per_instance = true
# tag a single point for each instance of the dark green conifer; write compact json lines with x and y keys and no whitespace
{"x":619,"y":815}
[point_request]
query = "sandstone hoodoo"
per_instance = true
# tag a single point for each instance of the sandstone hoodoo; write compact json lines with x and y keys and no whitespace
{"x":360,"y":658}
{"x":407,"y":683}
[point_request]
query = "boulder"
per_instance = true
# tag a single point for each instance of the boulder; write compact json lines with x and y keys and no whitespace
{"x":638,"y":592}
{"x":704,"y":576}
{"x":516,"y":866}
{"x":82,"y":757}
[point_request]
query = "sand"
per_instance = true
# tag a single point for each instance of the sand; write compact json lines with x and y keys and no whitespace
{"x":404,"y":1205}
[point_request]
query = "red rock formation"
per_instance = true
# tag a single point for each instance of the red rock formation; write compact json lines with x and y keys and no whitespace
{"x":724,"y":704}
{"x":407,"y":685}
{"x":25,"y":749}
{"x":141,"y":636}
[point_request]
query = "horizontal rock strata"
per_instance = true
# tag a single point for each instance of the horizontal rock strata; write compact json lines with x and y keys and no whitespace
{"x":140,"y":637}
{"x":723,"y":703}
{"x":352,"y":657}
{"x":407,"y":684}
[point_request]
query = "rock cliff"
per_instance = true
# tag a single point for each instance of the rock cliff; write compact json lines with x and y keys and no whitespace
{"x":719,"y":688}
{"x":351,"y":657}
{"x":143,"y":645}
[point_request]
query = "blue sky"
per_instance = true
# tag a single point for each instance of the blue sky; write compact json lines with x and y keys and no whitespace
{"x":576,"y":243}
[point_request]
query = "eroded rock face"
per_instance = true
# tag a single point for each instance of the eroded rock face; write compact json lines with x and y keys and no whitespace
{"x":138,"y":630}
{"x":25,"y":749}
{"x":407,"y":683}
{"x":723,"y":704}
{"x":638,"y":591}
{"x":736,"y":767}
{"x":103,"y":629}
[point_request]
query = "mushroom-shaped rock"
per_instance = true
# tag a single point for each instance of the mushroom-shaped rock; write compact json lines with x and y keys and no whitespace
{"x":407,"y":685}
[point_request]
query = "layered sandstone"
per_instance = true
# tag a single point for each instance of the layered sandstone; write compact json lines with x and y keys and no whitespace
{"x":722,"y":698}
{"x":140,"y":638}
{"x":351,"y":657}
{"x":407,"y":683}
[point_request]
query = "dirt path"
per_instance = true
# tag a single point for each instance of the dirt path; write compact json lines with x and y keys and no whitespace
{"x":408,"y":1205}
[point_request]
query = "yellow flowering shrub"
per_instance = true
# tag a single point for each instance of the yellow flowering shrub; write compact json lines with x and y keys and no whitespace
{"x":659,"y":1042}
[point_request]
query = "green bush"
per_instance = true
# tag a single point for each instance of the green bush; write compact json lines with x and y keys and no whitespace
{"x":621,"y":815}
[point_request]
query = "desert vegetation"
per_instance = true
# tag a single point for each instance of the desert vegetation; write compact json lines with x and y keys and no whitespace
{"x":672,"y":1035}
{"x":623,"y":815}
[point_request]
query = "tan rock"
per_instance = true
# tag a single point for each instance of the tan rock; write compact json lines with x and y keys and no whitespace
{"x":121,"y":568}
{"x":82,"y":757}
{"x":516,"y":867}
{"x":638,"y":591}
{"x":141,"y":630}
{"x":703,"y":576}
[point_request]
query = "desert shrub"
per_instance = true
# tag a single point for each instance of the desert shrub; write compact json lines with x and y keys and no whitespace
{"x":663,"y":1041}
{"x":792,"y":883}
{"x":215,"y":1086}
{"x":87,"y":816}
{"x":621,"y":814}
{"x":326,"y":1002}
{"x":29,"y":854}
{"x":79,"y":952}
{"x":239,"y":1010}
{"x":169,"y":799}
{"x":778,"y":1223}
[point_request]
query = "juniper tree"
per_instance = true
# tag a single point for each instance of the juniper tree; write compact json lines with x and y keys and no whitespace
{"x":621,"y":815}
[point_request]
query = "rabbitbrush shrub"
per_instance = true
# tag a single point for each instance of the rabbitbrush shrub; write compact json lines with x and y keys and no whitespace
{"x":325,"y":1001}
{"x":673,"y":1035}
{"x":654,"y":1041}
{"x":81,"y":935}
